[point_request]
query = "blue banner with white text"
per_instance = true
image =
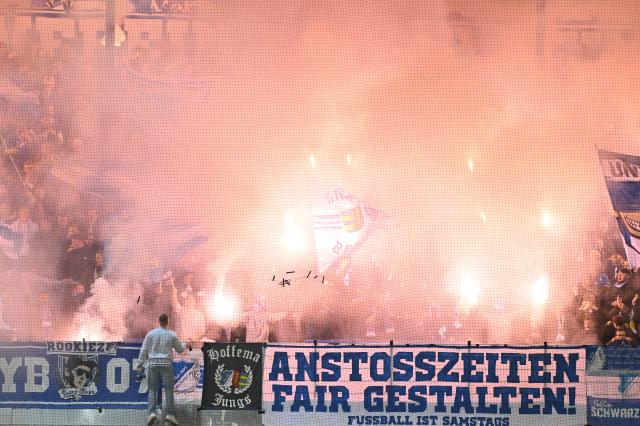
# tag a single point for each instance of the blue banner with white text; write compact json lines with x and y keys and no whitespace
{"x":64,"y":375}
{"x":354,"y":385}
{"x":613,"y":374}
{"x":424,"y":385}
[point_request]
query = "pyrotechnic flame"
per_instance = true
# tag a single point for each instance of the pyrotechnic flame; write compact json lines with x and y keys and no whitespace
{"x":469,"y":290}
{"x":293,"y":238}
{"x":91,"y":330}
{"x":223,"y":308}
{"x":540,"y":290}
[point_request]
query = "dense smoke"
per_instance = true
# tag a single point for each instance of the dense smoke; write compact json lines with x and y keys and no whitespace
{"x":476,"y":141}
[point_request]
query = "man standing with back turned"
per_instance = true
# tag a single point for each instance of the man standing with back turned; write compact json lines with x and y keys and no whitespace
{"x":156,"y":348}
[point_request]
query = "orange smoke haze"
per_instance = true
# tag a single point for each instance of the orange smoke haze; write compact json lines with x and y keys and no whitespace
{"x":457,"y":119}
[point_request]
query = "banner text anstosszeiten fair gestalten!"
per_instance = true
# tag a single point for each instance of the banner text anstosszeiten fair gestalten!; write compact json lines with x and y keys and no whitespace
{"x":425,"y":386}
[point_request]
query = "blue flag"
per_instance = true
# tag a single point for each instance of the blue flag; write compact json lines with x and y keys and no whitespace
{"x":622,"y":176}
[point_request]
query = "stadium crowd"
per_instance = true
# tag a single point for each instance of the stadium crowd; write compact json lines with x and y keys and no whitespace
{"x":53,"y":248}
{"x":142,"y":6}
{"x":606,"y":298}
{"x":48,"y":233}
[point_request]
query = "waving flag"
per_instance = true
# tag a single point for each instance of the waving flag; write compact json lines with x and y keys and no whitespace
{"x":341,"y":224}
{"x":622,"y":176}
{"x":352,"y":219}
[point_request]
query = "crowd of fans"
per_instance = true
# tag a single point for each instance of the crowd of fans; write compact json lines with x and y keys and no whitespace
{"x":46,"y":236}
{"x":606,"y":300}
{"x":163,"y":6}
{"x":53,"y":250}
{"x":142,"y":6}
{"x":50,"y":233}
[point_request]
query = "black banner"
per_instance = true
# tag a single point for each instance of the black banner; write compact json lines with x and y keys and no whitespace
{"x":232,"y":376}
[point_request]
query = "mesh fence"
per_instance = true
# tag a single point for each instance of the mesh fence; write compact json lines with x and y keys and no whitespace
{"x":439,"y":173}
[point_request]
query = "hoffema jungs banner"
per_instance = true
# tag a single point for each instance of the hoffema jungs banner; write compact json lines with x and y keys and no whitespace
{"x":232,"y":376}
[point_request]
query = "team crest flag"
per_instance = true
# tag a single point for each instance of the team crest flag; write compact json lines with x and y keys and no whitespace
{"x":232,"y":376}
{"x":622,"y":176}
{"x":341,"y":223}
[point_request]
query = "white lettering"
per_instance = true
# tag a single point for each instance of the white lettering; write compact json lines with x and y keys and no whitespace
{"x":43,"y":374}
{"x":8,"y":371}
{"x":123,"y":365}
{"x":615,"y":412}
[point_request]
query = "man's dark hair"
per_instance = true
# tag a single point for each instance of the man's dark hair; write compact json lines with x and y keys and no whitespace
{"x":164,"y":319}
{"x":76,"y":361}
{"x":618,"y":320}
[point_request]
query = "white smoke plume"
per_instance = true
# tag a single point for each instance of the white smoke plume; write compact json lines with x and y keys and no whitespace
{"x":457,"y":121}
